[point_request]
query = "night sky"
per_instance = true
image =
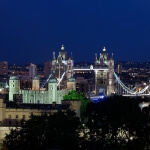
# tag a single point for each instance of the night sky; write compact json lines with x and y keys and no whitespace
{"x":30,"y":30}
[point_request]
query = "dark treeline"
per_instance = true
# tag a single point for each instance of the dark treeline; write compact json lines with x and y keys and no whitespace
{"x":116,"y":123}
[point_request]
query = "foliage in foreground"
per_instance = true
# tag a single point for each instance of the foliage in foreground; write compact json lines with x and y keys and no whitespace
{"x":60,"y":130}
{"x":74,"y":95}
{"x":117,"y":124}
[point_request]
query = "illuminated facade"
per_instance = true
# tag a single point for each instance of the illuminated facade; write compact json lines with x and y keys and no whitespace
{"x":100,"y":75}
{"x":58,"y":85}
{"x":62,"y":67}
{"x":37,"y":95}
{"x":104,"y":72}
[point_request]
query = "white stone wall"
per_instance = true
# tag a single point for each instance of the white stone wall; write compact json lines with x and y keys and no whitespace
{"x":37,"y":96}
{"x":14,"y":87}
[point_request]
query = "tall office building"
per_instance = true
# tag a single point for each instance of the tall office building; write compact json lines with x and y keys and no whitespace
{"x":32,"y":70}
{"x":47,"y":68}
{"x":3,"y":68}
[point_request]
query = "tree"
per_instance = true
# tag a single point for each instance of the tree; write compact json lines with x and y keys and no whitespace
{"x":74,"y":95}
{"x":117,"y":123}
{"x":59,"y":130}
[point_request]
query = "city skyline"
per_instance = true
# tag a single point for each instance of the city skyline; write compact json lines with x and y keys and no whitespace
{"x":31,"y":31}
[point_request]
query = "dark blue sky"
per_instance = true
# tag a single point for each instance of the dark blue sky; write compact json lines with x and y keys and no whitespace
{"x":30,"y":30}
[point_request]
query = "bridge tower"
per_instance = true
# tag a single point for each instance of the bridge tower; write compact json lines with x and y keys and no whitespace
{"x":62,"y":64}
{"x":104,"y":68}
{"x":35,"y":83}
{"x":110,"y":88}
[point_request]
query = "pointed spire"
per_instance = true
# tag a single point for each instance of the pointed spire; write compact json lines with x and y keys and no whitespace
{"x":100,"y":55}
{"x":112,"y":56}
{"x":95,"y":56}
{"x":65,"y":56}
{"x":71,"y":56}
{"x":54,"y":56}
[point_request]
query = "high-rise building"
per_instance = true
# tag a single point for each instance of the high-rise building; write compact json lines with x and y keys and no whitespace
{"x":47,"y":68}
{"x":32,"y":70}
{"x":119,"y":68}
{"x":3,"y":68}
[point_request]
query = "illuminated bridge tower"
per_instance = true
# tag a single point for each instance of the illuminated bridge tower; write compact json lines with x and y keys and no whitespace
{"x":62,"y":66}
{"x":104,"y":70}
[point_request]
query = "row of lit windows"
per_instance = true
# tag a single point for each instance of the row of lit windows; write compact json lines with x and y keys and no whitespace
{"x":81,"y":72}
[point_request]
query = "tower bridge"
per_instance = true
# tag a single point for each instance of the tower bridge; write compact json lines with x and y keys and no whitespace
{"x":97,"y":77}
{"x":99,"y":74}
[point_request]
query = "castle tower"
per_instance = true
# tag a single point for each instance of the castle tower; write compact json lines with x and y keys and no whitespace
{"x":35,"y":83}
{"x":71,"y":84}
{"x":14,"y":86}
{"x":52,"y":90}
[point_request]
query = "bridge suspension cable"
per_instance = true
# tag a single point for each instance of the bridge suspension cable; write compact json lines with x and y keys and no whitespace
{"x":128,"y":90}
{"x":61,"y":79}
{"x":46,"y":81}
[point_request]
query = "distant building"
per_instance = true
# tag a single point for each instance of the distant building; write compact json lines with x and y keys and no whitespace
{"x":4,"y":68}
{"x":32,"y":70}
{"x":119,"y":68}
{"x":47,"y":68}
{"x":11,"y":113}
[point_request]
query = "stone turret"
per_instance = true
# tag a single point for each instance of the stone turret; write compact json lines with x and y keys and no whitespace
{"x":14,"y":86}
{"x":35,"y":83}
{"x":71,"y":84}
{"x":52,"y":90}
